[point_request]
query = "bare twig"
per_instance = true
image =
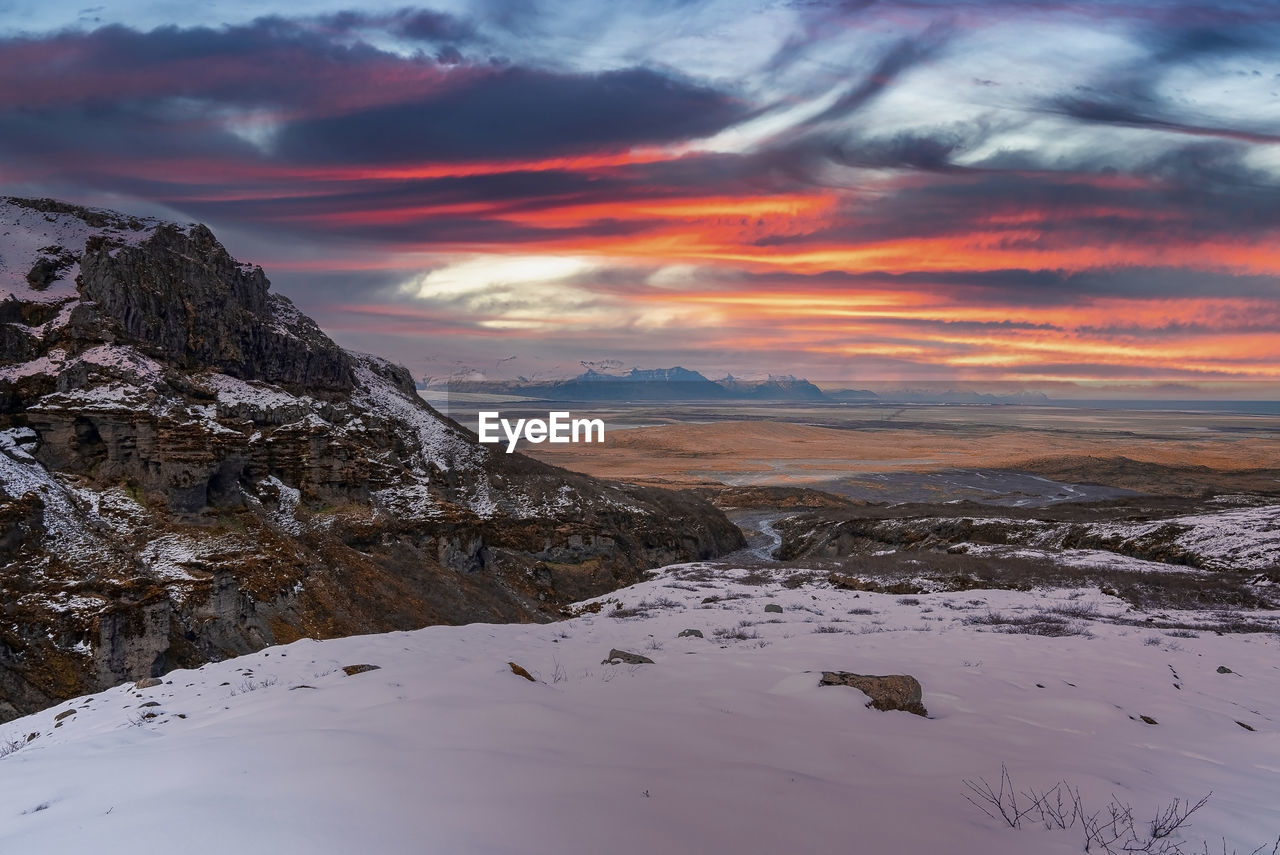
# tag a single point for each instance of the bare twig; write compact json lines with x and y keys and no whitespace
{"x":1110,"y":830}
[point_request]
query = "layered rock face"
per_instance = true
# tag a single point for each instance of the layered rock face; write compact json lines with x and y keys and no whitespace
{"x":190,"y":469}
{"x":1236,"y":534}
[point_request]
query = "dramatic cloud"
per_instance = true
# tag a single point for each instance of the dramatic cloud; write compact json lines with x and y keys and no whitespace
{"x":981,"y":190}
{"x":516,"y":113}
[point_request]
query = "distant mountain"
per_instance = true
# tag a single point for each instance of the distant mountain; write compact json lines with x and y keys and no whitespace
{"x":775,"y":388}
{"x":681,"y":384}
{"x":191,"y":469}
{"x":643,"y":375}
{"x":655,"y":384}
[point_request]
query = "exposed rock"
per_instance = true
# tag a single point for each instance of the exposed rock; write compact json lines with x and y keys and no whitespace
{"x":178,"y":296}
{"x":1223,"y":669}
{"x":46,"y":269}
{"x":773,"y":498}
{"x":580,"y":609}
{"x":774,"y":608}
{"x":853,"y":583}
{"x":148,"y":682}
{"x":521,"y":672}
{"x":1147,"y":476}
{"x":1148,"y":719}
{"x":689,"y":633}
{"x":617,"y":656}
{"x":190,"y":470}
{"x":1168,"y":531}
{"x":352,"y":670}
{"x":890,"y":692}
{"x":67,"y":714}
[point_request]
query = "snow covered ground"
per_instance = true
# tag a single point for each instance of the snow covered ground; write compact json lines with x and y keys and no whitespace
{"x":725,"y":743}
{"x":28,"y":233}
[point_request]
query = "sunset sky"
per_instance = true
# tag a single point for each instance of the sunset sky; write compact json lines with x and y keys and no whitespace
{"x":859,"y":191}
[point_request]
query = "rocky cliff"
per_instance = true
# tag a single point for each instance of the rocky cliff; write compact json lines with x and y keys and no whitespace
{"x":190,"y":469}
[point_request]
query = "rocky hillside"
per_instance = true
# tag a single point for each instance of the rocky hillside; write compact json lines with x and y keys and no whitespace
{"x":190,"y":469}
{"x":1230,"y":534}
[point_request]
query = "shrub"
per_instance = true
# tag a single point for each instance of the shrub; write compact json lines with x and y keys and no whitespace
{"x":1080,"y":611}
{"x":1111,"y":829}
{"x":742,"y":632}
{"x":1039,"y":623}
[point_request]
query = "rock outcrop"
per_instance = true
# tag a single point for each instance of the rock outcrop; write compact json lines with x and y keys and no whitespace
{"x":190,"y":469}
{"x":624,"y":657}
{"x":888,"y":692}
{"x":1180,"y":534}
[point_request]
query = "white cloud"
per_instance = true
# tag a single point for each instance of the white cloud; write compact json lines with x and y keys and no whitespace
{"x":486,"y":273}
{"x":554,"y":293}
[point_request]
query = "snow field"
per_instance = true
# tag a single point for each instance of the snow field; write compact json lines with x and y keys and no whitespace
{"x":725,"y":744}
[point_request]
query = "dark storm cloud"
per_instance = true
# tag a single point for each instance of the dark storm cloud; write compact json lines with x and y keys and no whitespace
{"x":426,"y":25}
{"x":908,"y":150}
{"x":1169,"y":282}
{"x":1117,"y":111}
{"x":1130,"y":371}
{"x":477,"y":230}
{"x":1131,"y":94}
{"x":518,"y":112}
{"x":1193,"y":42}
{"x":419,"y":210}
{"x":268,"y":62}
{"x":1034,"y":287}
{"x":1180,"y":194}
{"x":130,"y":132}
{"x":1264,"y":322}
{"x":339,"y":100}
{"x":935,"y":325}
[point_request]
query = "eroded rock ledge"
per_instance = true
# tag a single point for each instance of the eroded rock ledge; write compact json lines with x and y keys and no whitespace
{"x":190,"y":469}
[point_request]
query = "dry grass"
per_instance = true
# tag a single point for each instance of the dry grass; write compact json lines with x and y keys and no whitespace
{"x":781,"y":453}
{"x":1036,"y":623}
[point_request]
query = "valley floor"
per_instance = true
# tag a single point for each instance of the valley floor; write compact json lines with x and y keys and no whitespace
{"x":725,"y":743}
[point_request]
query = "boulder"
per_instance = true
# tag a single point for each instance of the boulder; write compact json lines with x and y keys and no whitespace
{"x":621,"y":656}
{"x":889,"y":692}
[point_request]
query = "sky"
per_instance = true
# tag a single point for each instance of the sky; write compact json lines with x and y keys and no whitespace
{"x":1027,"y":193}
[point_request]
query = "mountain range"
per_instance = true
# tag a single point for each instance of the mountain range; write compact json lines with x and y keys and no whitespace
{"x":657,"y":384}
{"x":682,"y":384}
